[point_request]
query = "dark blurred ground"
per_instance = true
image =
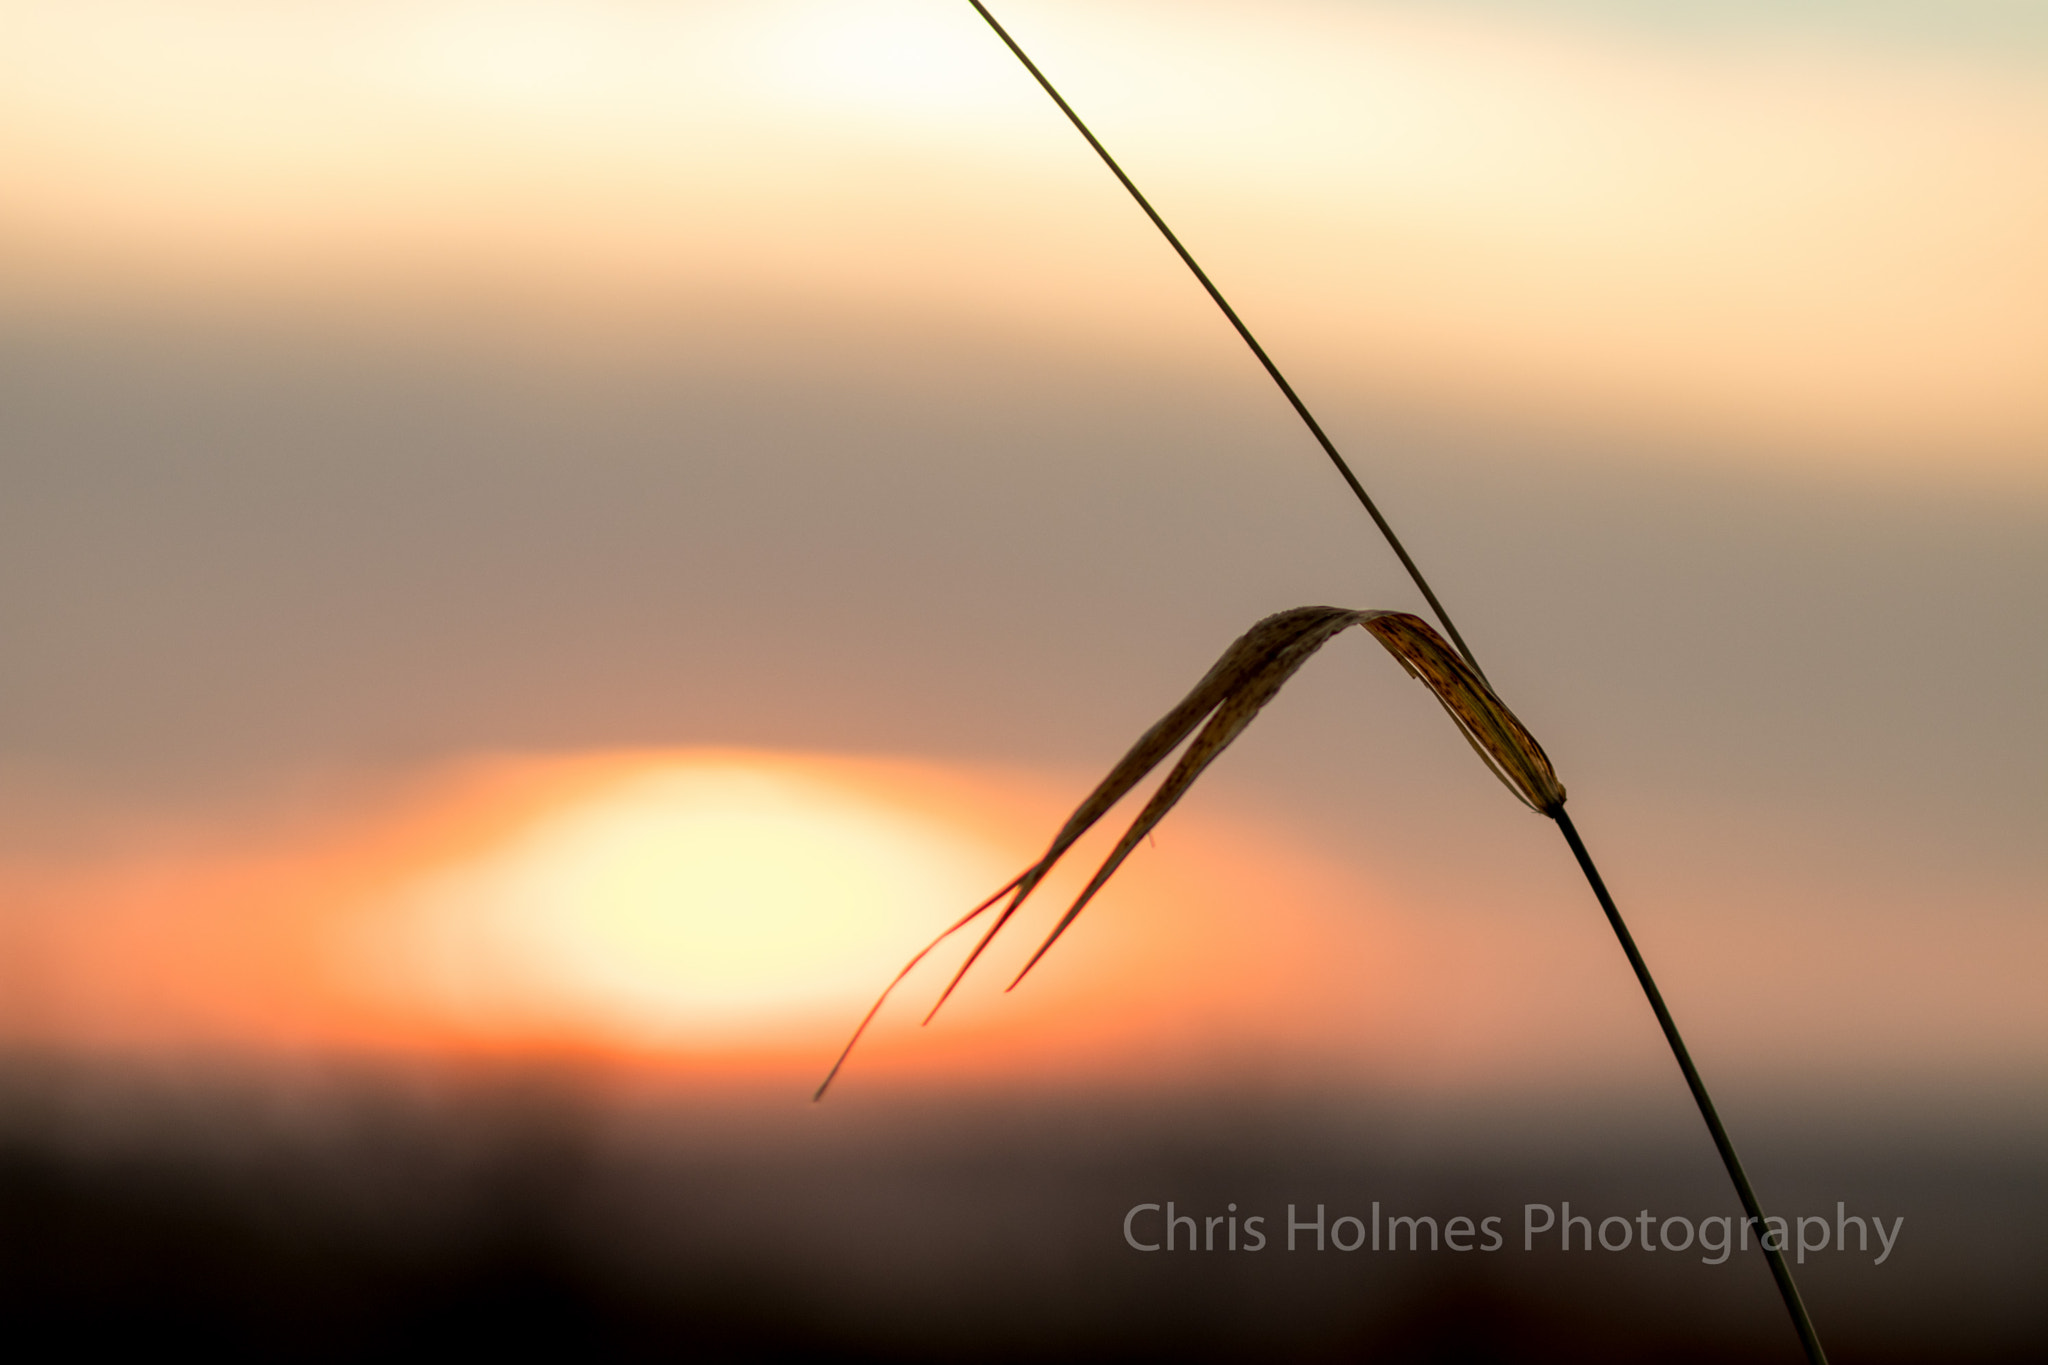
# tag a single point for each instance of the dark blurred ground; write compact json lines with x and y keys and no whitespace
{"x":381,"y":1214}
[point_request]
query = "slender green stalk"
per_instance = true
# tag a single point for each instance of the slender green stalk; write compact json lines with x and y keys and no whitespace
{"x":1779,"y":1270}
{"x":1754,"y":1211}
{"x":1294,"y":399}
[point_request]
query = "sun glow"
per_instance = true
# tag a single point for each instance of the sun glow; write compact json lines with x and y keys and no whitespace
{"x":692,"y":902}
{"x":510,"y":55}
{"x":722,"y":913}
{"x":889,"y":57}
{"x":725,"y":916}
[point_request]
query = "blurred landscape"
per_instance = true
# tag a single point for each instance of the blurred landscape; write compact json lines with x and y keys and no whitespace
{"x":355,"y":1212}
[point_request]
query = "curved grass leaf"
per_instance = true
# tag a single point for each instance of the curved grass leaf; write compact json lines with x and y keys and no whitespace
{"x":1219,"y":709}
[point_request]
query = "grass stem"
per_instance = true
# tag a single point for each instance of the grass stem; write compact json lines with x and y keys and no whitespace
{"x":1775,"y":1256}
{"x":1294,"y":399}
{"x":1779,"y":1270}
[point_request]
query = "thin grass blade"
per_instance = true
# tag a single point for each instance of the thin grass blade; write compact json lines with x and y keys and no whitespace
{"x":1500,"y":740}
{"x":1250,"y":673}
{"x":897,"y":980}
{"x":1245,"y":657}
{"x":1310,"y":628}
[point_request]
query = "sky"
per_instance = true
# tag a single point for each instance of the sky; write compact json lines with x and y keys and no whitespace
{"x":1804,"y":228}
{"x":594,"y":530}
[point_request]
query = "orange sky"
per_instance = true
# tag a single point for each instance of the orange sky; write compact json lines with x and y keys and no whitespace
{"x":1764,"y":238}
{"x":702,"y":908}
{"x":730,"y":913}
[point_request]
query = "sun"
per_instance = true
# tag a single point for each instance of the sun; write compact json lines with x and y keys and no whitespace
{"x":697,"y":901}
{"x":722,"y":914}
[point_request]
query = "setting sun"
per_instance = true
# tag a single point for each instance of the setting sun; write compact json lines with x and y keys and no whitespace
{"x":720,"y":909}
{"x":692,"y":901}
